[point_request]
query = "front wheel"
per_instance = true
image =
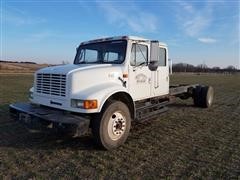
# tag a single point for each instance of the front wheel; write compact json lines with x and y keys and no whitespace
{"x":111,"y":127}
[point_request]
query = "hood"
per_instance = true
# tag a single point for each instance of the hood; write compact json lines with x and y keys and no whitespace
{"x":84,"y":76}
{"x":69,"y":68}
{"x":82,"y":81}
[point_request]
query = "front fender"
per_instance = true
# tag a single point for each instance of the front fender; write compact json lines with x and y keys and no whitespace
{"x":99,"y":92}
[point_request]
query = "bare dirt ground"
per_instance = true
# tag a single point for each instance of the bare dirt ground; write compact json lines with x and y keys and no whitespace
{"x":185,"y":142}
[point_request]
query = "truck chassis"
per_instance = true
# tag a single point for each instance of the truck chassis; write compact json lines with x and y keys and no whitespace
{"x":144,"y":109}
{"x":112,"y":82}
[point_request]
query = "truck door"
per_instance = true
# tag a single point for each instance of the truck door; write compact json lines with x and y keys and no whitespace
{"x":160,"y":86}
{"x":139,"y":74}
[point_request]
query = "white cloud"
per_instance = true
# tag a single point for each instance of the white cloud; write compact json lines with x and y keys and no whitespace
{"x":19,"y":18}
{"x":194,"y":22}
{"x":136,"y":19}
{"x":186,"y":6}
{"x":207,"y":40}
{"x":41,"y":35}
{"x":196,"y":25}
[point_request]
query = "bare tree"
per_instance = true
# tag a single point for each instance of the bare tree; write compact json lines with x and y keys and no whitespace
{"x":231,"y":68}
{"x":202,"y":68}
{"x":216,"y":69}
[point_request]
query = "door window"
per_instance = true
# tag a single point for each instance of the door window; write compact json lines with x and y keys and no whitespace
{"x":139,"y":55}
{"x":162,"y":57}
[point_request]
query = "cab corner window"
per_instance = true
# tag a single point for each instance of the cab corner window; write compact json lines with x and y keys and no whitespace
{"x":139,"y":55}
{"x":162,"y":57}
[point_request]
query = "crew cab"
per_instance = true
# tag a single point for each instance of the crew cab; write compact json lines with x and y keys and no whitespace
{"x":112,"y":82}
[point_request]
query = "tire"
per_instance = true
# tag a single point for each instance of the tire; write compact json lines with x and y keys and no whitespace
{"x":111,"y":127}
{"x":197,"y":95}
{"x":207,"y":94}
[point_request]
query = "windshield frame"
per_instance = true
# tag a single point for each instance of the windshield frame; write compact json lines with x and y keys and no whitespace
{"x":102,"y":61}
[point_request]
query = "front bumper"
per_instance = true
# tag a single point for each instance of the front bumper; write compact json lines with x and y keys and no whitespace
{"x":27,"y":112}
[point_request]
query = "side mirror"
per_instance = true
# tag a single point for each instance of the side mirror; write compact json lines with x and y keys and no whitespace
{"x":153,"y":65}
{"x":154,"y":56}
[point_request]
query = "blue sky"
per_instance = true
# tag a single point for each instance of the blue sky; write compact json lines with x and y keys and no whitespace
{"x":49,"y":31}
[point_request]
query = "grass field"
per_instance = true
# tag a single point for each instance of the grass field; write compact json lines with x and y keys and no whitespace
{"x":184,"y":142}
{"x":20,"y":67}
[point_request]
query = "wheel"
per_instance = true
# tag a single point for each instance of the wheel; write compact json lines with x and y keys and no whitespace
{"x":207,"y":94}
{"x":196,"y":95}
{"x":111,"y":127}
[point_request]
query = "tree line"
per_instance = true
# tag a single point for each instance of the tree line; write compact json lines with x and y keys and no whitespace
{"x":25,"y":62}
{"x":179,"y":67}
{"x":184,"y":67}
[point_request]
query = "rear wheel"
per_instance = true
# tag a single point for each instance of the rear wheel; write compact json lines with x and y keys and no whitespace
{"x":111,"y":127}
{"x":207,"y":95}
{"x":196,"y":95}
{"x":203,"y":96}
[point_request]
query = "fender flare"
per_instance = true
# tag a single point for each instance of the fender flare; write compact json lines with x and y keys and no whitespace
{"x":125,"y":98}
{"x":106,"y":91}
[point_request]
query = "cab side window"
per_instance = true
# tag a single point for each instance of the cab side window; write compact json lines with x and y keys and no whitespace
{"x":162,"y":57}
{"x":139,"y":55}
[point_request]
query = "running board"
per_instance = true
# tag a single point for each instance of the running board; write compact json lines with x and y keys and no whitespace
{"x":150,"y":111}
{"x":152,"y":115}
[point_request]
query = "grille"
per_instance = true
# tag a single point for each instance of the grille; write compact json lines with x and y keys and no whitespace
{"x":52,"y":84}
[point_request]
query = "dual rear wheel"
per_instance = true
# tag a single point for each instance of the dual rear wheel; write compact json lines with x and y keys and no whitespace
{"x":203,"y":96}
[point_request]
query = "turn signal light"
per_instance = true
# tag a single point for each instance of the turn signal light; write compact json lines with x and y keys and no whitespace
{"x":90,"y":104}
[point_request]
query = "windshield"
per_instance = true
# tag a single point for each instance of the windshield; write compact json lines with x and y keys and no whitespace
{"x":112,"y":52}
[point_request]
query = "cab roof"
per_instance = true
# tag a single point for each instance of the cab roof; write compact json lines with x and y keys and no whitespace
{"x":134,"y":38}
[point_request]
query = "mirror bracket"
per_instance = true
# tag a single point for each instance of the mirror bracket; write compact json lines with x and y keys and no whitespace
{"x":153,"y":65}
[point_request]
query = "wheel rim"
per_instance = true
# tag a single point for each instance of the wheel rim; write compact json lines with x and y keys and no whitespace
{"x":116,"y":125}
{"x":210,"y":97}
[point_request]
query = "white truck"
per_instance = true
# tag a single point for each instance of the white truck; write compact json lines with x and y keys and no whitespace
{"x":112,"y":82}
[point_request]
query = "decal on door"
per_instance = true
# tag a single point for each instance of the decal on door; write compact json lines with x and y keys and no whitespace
{"x":141,"y":78}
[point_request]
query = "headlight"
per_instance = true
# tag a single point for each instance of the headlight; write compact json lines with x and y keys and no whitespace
{"x":30,"y":95}
{"x":76,"y":103}
{"x":84,"y":104}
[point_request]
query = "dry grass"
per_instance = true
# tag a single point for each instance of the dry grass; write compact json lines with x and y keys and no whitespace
{"x":185,"y":142}
{"x":20,"y":67}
